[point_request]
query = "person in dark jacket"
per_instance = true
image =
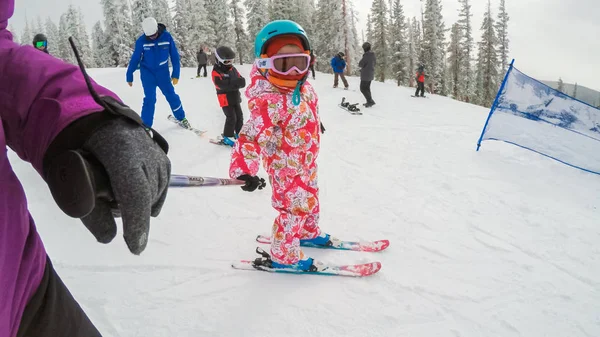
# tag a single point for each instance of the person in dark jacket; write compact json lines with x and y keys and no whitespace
{"x":228,"y":83}
{"x":202,"y":61}
{"x":339,"y":65}
{"x":40,"y":42}
{"x":367,"y":73}
{"x":313,"y":60}
{"x":420,"y":81}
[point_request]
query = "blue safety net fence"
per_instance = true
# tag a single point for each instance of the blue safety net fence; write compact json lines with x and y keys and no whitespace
{"x":532,"y":115}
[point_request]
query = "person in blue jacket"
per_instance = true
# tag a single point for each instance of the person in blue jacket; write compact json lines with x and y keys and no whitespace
{"x":152,"y":52}
{"x":339,"y":65}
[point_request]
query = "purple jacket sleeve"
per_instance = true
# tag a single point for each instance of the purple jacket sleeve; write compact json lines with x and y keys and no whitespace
{"x":39,"y":96}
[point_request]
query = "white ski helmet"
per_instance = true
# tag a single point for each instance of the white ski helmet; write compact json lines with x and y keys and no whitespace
{"x":150,"y":26}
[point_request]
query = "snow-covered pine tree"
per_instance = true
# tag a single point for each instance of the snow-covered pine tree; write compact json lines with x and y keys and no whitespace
{"x":304,"y":16}
{"x":455,"y":58}
{"x":411,"y":53}
{"x":242,"y":45}
{"x":64,"y":48}
{"x":445,"y":82}
{"x":329,"y":39}
{"x":53,"y":36}
{"x":200,"y":25}
{"x":38,"y":28}
{"x":467,"y":74}
{"x":27,"y":36}
{"x":256,"y":17}
{"x":218,"y":20}
{"x":575,"y":90}
{"x":398,"y":44}
{"x":354,"y":48}
{"x":119,"y":42}
{"x":369,"y":28}
{"x":502,"y":34}
{"x":561,"y":85}
{"x":182,"y":32}
{"x":99,"y":46}
{"x":487,"y":63}
{"x":379,"y":42}
{"x":71,"y":30}
{"x":283,"y":10}
{"x":162,"y":13}
{"x":433,"y":43}
{"x":14,"y":33}
{"x":83,"y":40}
{"x":140,"y":9}
{"x":418,"y":44}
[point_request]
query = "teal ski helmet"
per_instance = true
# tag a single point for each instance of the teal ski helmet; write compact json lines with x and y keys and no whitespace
{"x":275,"y":28}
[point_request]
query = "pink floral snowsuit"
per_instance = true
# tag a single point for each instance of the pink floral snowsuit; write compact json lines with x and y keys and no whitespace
{"x":287,"y":138}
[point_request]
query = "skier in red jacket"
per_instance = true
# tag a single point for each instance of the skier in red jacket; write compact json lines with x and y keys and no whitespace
{"x":420,"y":81}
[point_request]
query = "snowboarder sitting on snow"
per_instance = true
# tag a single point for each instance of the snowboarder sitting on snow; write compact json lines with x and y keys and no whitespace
{"x":283,"y":130}
{"x":202,"y":61}
{"x":228,"y":83}
{"x":367,"y":73}
{"x":46,"y":114}
{"x":40,"y":42}
{"x":338,"y":63}
{"x":420,"y":81}
{"x":152,"y":52}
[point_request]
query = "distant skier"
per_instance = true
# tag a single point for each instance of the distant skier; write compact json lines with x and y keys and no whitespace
{"x":338,"y":64}
{"x":50,"y":115}
{"x":420,"y":77}
{"x":367,"y":73}
{"x":313,"y":60}
{"x":152,"y":52}
{"x":228,"y":83}
{"x":202,"y":59}
{"x":283,"y":132}
{"x":40,"y":42}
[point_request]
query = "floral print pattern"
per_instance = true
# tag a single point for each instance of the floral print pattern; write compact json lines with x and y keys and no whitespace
{"x":286,"y":137}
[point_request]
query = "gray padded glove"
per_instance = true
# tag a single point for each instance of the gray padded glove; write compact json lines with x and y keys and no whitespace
{"x":138,"y":171}
{"x":105,"y":165}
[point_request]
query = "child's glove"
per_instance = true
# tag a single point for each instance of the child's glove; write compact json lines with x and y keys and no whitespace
{"x":252,"y":182}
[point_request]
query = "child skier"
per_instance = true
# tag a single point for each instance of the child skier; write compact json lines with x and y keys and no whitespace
{"x":283,"y":130}
{"x":420,"y":81}
{"x":228,"y":83}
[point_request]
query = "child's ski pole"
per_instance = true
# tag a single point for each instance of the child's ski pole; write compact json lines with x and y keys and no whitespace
{"x":182,"y":180}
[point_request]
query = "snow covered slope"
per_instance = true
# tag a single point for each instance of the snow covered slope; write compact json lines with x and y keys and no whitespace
{"x":503,"y":242}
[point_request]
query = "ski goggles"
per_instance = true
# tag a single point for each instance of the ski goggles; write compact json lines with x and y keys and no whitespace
{"x":226,"y":62}
{"x":40,"y":44}
{"x":284,"y":64}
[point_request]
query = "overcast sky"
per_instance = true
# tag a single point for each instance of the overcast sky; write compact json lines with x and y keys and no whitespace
{"x":548,"y":38}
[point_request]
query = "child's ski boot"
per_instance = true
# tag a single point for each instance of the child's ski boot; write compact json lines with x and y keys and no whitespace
{"x":322,"y":240}
{"x":265,"y":260}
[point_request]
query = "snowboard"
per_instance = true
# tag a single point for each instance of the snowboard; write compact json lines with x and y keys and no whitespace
{"x":419,"y":96}
{"x":194,"y":130}
{"x":364,"y":246}
{"x":351,"y":108}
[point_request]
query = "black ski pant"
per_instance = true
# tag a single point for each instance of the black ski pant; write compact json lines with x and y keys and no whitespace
{"x":200,"y":66}
{"x":312,"y":69}
{"x":421,"y":88}
{"x":365,"y":88}
{"x":52,"y":311}
{"x":234,"y":120}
